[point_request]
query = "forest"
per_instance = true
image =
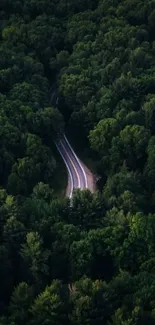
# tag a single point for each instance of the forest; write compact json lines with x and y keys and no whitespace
{"x":91,"y":262}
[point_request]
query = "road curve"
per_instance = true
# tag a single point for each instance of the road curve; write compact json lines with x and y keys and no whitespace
{"x":77,"y":176}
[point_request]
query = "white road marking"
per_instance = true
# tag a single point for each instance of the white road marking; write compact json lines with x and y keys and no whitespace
{"x":79,"y":185}
{"x":70,"y":174}
{"x":77,"y":159}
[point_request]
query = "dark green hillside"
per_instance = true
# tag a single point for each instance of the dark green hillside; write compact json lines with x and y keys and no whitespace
{"x":87,"y":67}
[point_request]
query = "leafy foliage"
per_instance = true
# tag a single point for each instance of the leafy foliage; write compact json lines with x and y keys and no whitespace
{"x":89,"y":67}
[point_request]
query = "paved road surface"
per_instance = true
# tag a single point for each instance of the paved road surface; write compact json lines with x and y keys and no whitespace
{"x":77,"y":176}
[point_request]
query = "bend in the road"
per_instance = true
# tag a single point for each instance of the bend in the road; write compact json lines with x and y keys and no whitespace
{"x":78,"y":161}
{"x":81,"y":180}
{"x":76,"y":172}
{"x":78,"y":185}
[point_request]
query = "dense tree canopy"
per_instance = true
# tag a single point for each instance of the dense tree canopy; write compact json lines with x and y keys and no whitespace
{"x":87,"y":67}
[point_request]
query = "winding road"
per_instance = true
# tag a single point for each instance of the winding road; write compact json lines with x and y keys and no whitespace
{"x":77,"y":176}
